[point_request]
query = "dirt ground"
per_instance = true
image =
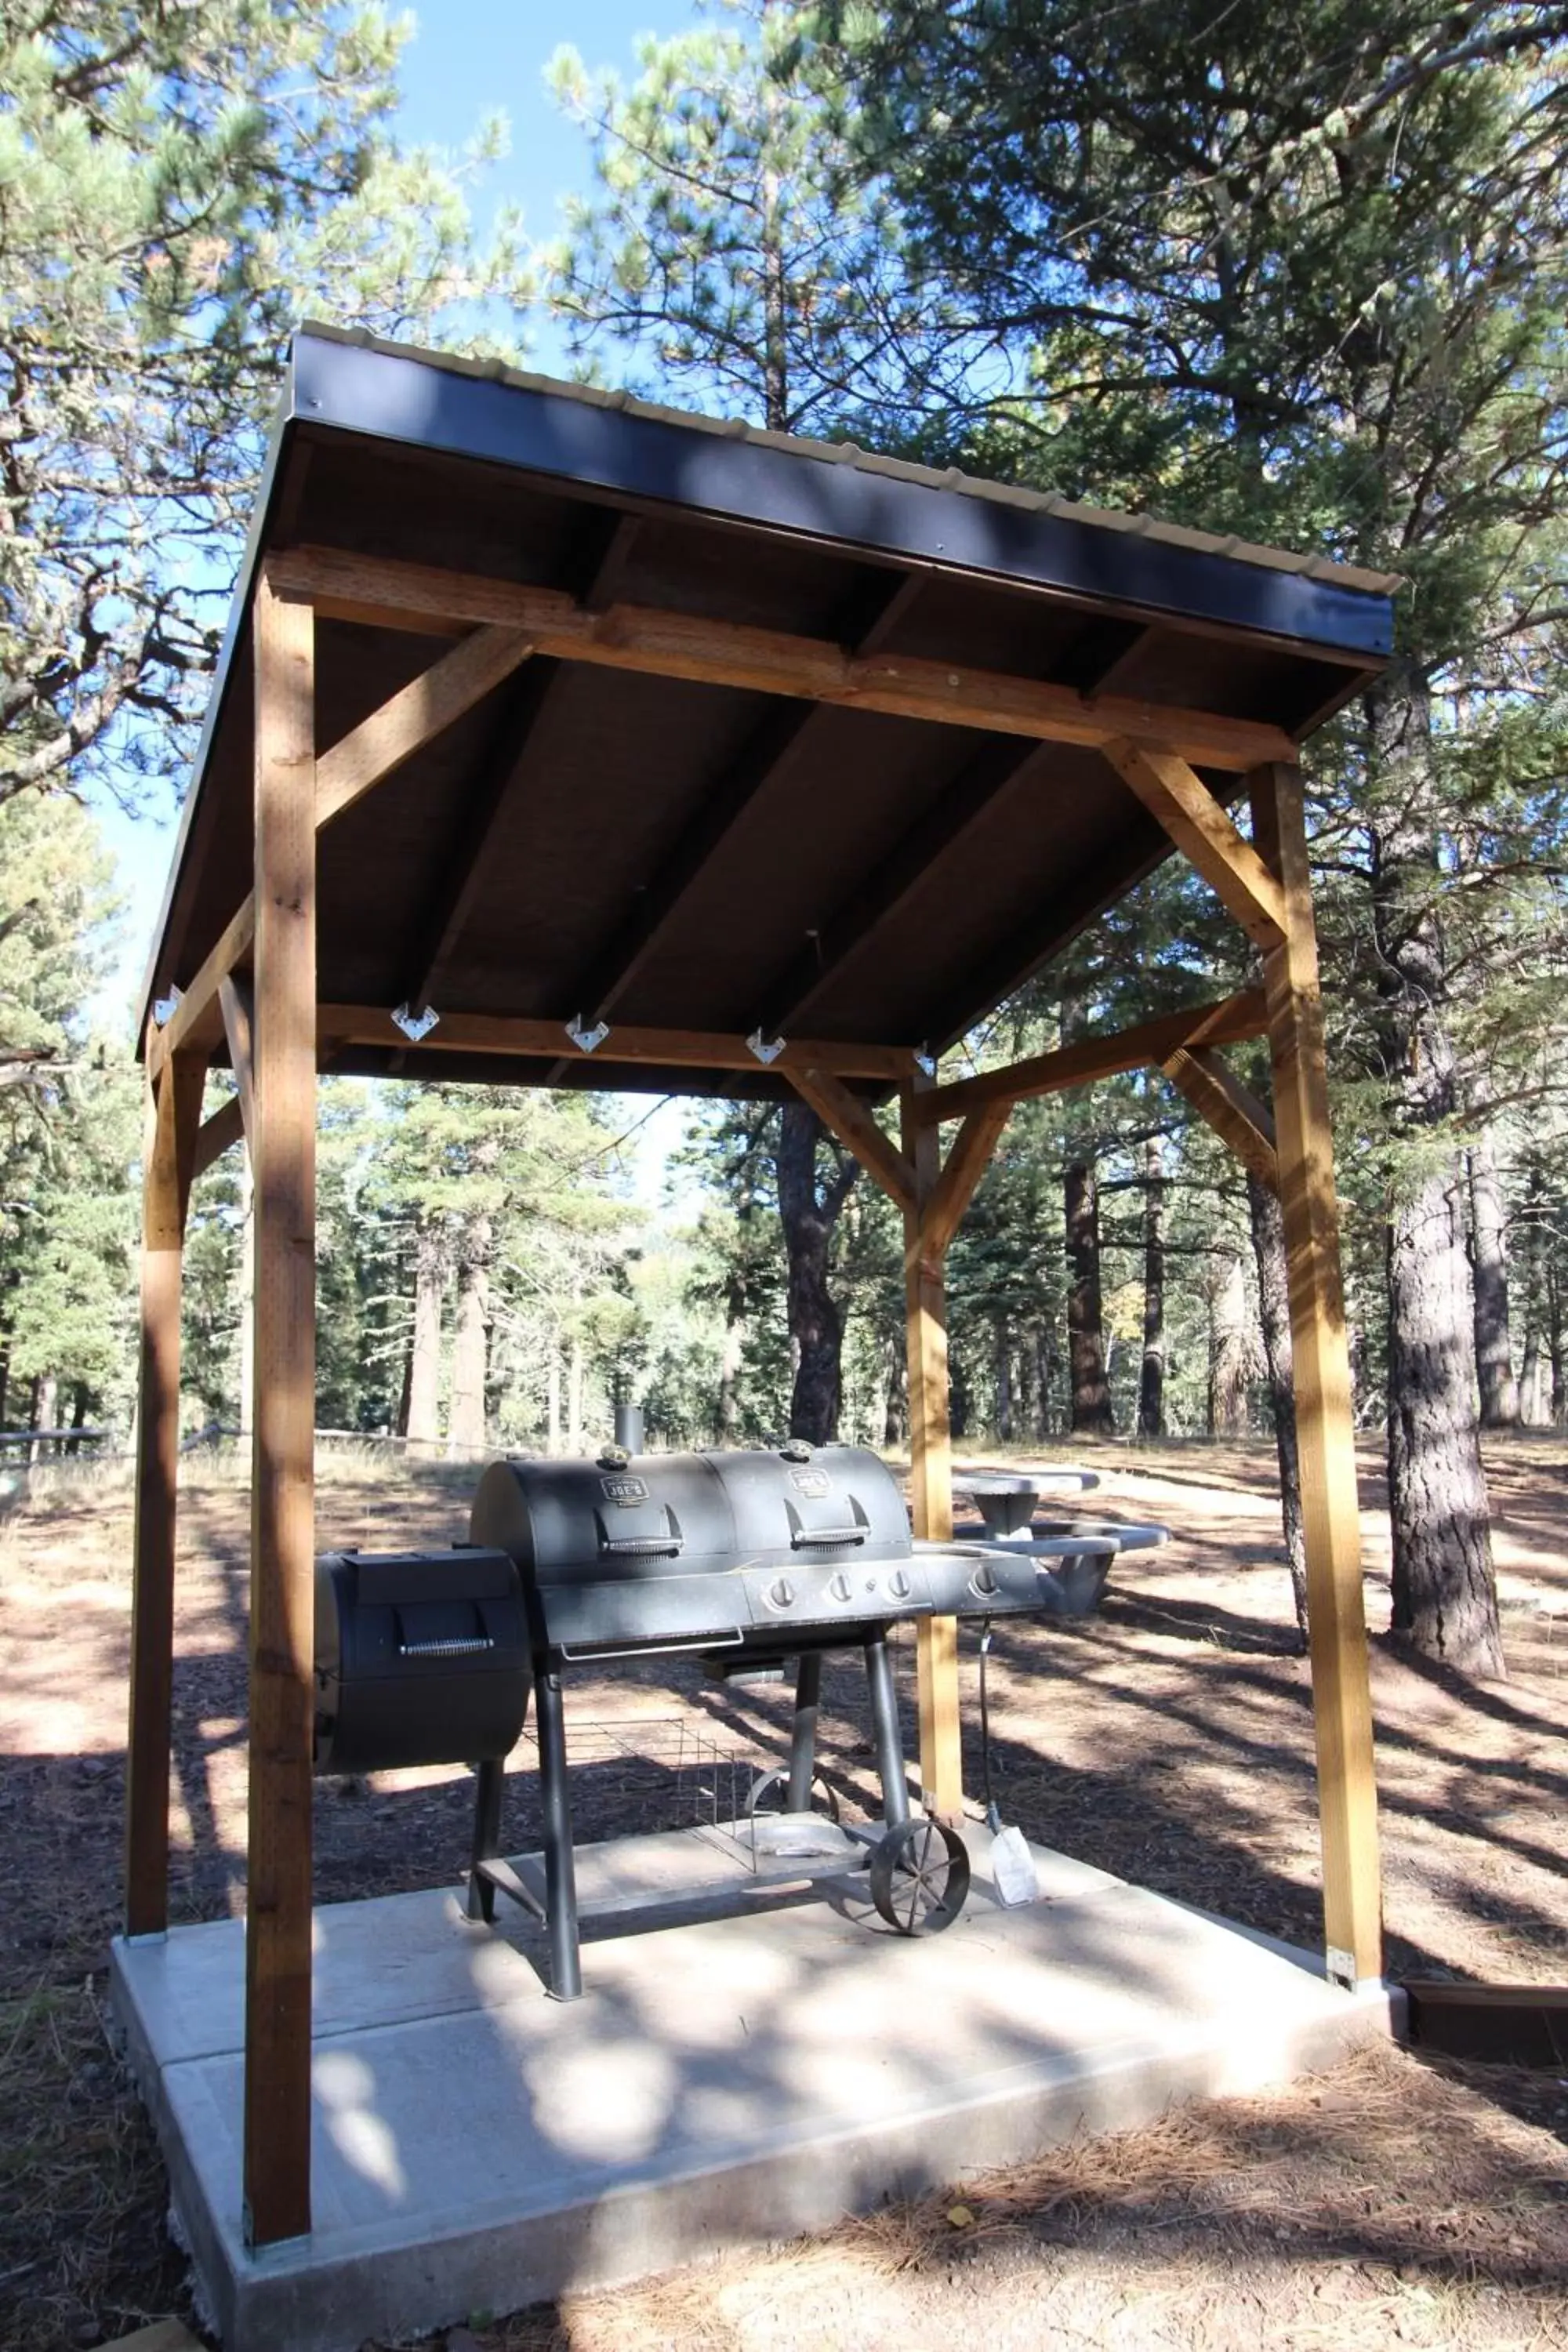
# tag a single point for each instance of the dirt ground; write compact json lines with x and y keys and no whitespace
{"x":1168,"y":1739}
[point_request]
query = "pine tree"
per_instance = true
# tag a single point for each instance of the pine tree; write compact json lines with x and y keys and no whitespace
{"x":181,"y":180}
{"x":1299,"y":272}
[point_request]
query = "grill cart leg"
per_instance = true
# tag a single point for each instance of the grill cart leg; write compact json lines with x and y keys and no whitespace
{"x":803,"y":1740}
{"x":560,"y":1875}
{"x":885,"y":1731}
{"x":487,"y":1786}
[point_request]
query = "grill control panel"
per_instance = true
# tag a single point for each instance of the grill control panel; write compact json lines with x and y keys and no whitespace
{"x":857,"y":1591}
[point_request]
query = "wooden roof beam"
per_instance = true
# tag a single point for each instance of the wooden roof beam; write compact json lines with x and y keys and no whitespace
{"x":1182,"y":804}
{"x":1149,"y":1043}
{"x":1232,"y":1109}
{"x":527,"y":1040}
{"x":957,"y":809}
{"x":766,"y":661}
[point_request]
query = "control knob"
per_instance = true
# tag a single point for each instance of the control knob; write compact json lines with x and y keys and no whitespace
{"x":780,"y":1593}
{"x":984,"y":1581}
{"x":839,"y":1586}
{"x":898,"y":1585}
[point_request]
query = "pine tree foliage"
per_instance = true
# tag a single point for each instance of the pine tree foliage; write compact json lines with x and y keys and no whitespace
{"x":180,"y":182}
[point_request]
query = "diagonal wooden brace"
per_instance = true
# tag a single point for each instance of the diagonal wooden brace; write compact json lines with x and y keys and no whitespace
{"x":1177,"y":797}
{"x":1232,"y":1109}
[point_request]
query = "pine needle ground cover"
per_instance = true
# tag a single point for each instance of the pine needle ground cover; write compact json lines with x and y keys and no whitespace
{"x":1168,"y":1740}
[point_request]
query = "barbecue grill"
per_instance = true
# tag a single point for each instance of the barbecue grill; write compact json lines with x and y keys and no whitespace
{"x":743,"y":1560}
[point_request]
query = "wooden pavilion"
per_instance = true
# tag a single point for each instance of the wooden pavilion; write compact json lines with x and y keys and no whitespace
{"x":875,"y":744}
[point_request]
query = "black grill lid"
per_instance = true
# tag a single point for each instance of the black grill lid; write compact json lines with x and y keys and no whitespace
{"x":667,"y":1515}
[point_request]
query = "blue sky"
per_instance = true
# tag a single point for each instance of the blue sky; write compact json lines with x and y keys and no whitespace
{"x":468,"y":58}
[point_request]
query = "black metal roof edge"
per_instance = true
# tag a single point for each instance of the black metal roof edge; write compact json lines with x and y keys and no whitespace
{"x":640,"y":453}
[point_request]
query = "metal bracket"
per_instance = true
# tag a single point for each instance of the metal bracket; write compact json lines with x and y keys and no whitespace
{"x":1340,"y":1966}
{"x":766,"y":1049}
{"x":165,"y":1007}
{"x":585,"y":1038}
{"x":416,"y":1025}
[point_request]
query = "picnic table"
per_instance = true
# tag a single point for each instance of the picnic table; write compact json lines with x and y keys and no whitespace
{"x":1005,"y":1499}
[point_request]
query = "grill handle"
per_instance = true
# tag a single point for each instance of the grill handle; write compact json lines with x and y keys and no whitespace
{"x":585,"y":1653}
{"x":446,"y":1645}
{"x":827,"y":1538}
{"x":642,"y":1547}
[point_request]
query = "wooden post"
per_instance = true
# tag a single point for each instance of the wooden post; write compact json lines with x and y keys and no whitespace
{"x":1341,"y":1698}
{"x":174,"y":1115}
{"x":931,"y":1462}
{"x":282,"y":1538}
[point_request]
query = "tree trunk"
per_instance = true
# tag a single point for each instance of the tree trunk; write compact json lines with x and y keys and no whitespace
{"x":1445,"y":1592}
{"x":1274,"y":1316}
{"x":574,"y":1395}
{"x":43,"y":1411}
{"x":1044,"y":1377}
{"x":1091,"y":1412}
{"x":1151,"y":1377}
{"x":1494,"y":1360}
{"x":1232,"y":1358}
{"x":895,"y":1427}
{"x":552,"y":1397}
{"x":471,"y":1341}
{"x":808,"y":1213}
{"x":729,"y":1379}
{"x":424,"y":1425}
{"x":1001,"y":1357}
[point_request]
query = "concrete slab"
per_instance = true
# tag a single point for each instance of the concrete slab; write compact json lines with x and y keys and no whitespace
{"x":744,"y":2077}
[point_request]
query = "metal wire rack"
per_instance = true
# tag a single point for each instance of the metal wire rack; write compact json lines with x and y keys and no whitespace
{"x":636,"y":1774}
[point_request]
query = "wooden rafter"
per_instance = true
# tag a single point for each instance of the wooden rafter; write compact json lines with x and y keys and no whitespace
{"x":995,"y":768}
{"x":695,"y":1049}
{"x":446,"y":913}
{"x":597,"y":566}
{"x":1184,"y":806}
{"x":1150,"y":1043}
{"x":850,"y":1119}
{"x":1232,"y":1109}
{"x":413,"y":716}
{"x":782,"y":736}
{"x":766,"y":661}
{"x":1015,"y":959}
{"x":597,"y":989}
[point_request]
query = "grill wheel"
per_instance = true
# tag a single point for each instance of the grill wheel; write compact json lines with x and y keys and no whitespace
{"x":920,"y":1877}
